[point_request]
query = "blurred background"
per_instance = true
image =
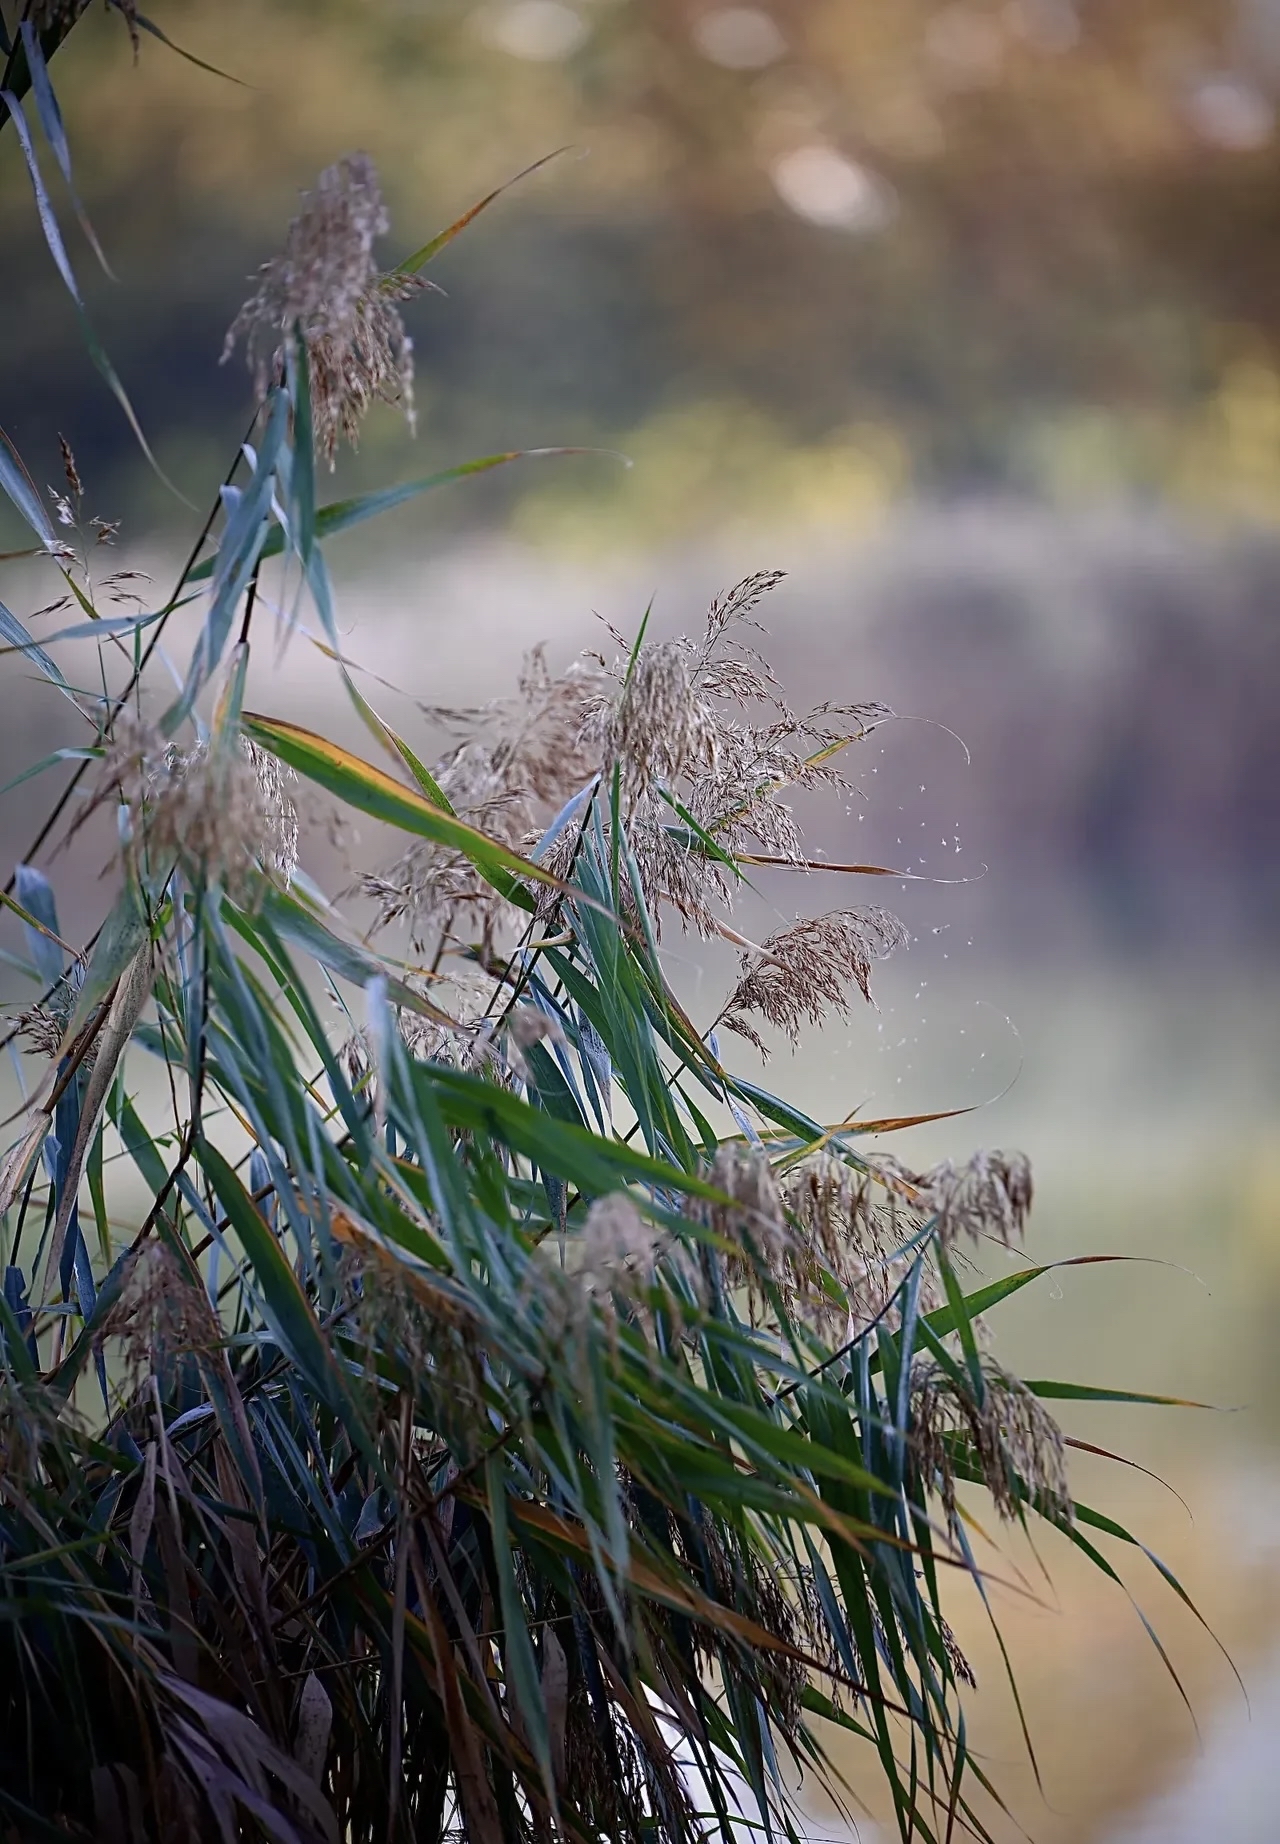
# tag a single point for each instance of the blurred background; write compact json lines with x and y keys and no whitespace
{"x":967,"y":316}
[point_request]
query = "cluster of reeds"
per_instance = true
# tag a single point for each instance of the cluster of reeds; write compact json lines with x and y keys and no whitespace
{"x":503,"y":1420}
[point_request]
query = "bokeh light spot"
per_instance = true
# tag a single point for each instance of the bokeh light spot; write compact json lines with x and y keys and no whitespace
{"x":739,"y":37}
{"x":824,"y":186}
{"x":543,"y":31}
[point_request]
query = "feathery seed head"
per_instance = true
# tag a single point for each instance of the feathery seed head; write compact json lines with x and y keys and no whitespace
{"x":752,"y":1221}
{"x":815,"y":1234}
{"x":161,"y":1315}
{"x":1009,"y":1436}
{"x":990,"y":1195}
{"x":736,"y":604}
{"x":753,"y":1218}
{"x":617,"y":1249}
{"x":74,"y":485}
{"x":401,"y":1312}
{"x":518,"y":761}
{"x":609,"y":1269}
{"x":33,"y":1428}
{"x":809,"y":969}
{"x":42,"y":1029}
{"x":660,"y":725}
{"x":526,"y":1026}
{"x":456,"y":1032}
{"x":849,"y":1230}
{"x":327,"y":283}
{"x":218,"y":811}
{"x":44,"y":1024}
{"x":743,"y":1581}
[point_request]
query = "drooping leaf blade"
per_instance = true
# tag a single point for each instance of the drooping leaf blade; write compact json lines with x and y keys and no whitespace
{"x":371,"y":791}
{"x":341,"y":515}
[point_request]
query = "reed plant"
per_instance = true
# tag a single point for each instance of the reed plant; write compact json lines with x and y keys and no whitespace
{"x":503,"y":1419}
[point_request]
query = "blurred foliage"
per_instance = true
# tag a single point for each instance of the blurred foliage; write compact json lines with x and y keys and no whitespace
{"x":1024,"y":245}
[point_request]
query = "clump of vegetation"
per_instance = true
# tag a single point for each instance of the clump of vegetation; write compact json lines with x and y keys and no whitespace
{"x":503,"y":1420}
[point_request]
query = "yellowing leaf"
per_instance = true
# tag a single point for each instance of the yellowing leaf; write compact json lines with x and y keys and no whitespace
{"x":378,"y":794}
